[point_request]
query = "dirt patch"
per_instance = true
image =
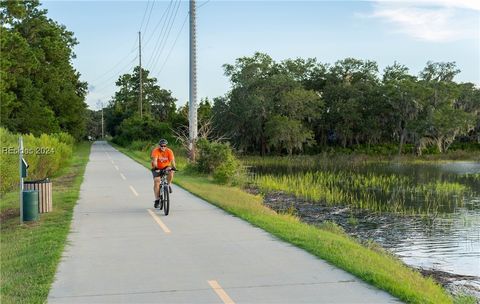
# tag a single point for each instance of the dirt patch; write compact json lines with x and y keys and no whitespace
{"x":9,"y":214}
{"x":456,"y":284}
{"x":65,"y":180}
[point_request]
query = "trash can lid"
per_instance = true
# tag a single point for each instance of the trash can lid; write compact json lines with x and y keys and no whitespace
{"x":39,"y":181}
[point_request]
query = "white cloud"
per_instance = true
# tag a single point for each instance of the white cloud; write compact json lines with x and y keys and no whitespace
{"x":431,"y":20}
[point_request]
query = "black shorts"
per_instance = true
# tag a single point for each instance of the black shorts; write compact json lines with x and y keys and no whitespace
{"x":159,"y":173}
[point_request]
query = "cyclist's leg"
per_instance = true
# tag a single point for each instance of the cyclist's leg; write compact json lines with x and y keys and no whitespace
{"x":156,"y":187}
{"x":169,"y":180}
{"x":156,"y":184}
{"x":170,"y":177}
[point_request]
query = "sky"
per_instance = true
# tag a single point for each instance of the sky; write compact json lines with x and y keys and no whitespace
{"x":408,"y":32}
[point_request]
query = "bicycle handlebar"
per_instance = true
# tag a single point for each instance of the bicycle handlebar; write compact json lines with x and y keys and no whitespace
{"x":166,"y":170}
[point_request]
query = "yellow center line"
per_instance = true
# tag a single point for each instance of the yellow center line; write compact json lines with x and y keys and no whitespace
{"x":133,"y":190}
{"x":159,"y":221}
{"x":123,"y":176}
{"x":116,"y":167}
{"x":220,"y":292}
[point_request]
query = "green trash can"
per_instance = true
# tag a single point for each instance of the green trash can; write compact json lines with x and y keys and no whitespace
{"x":30,"y":205}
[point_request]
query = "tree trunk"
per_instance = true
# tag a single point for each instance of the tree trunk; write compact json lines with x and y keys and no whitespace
{"x":263,"y":145}
{"x":402,"y":140}
{"x":439,"y":144}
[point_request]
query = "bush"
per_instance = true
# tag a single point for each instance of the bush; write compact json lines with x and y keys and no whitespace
{"x":64,"y":138}
{"x":465,"y":146}
{"x":142,"y":129}
{"x":46,"y":156}
{"x":217,"y":159}
{"x":141,"y":145}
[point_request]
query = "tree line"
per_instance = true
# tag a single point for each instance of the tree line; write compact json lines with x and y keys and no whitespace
{"x":40,"y":91}
{"x":288,"y":106}
{"x":273,"y":107}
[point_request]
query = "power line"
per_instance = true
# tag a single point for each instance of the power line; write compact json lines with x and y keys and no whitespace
{"x":144,"y":14}
{"x":202,"y":4}
{"x":104,"y":84}
{"x":149,"y":14}
{"x":160,"y":36}
{"x":168,"y":35}
{"x":117,"y":64}
{"x":173,"y":46}
{"x":158,"y":24}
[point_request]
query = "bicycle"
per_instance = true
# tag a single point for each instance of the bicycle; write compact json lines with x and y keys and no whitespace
{"x":164,"y":190}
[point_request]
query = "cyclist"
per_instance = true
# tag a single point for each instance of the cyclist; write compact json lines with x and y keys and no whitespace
{"x":162,"y":158}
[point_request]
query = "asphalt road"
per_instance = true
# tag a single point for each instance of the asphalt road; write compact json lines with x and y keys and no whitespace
{"x":121,"y":250}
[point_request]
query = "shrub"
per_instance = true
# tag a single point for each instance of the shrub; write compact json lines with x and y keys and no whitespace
{"x":64,"y":138}
{"x":142,"y":129}
{"x":45,"y":155}
{"x":217,"y":159}
{"x":8,"y":161}
{"x":141,"y":145}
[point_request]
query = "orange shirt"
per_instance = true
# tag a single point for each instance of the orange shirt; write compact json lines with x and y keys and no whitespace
{"x":164,"y":158}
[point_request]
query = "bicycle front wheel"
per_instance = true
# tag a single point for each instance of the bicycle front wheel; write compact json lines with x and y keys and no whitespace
{"x":166,"y":200}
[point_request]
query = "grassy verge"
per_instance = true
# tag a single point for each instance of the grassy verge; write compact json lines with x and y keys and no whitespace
{"x":31,"y":252}
{"x":371,"y":264}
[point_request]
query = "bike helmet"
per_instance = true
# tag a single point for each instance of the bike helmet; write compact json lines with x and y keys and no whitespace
{"x":163,"y":142}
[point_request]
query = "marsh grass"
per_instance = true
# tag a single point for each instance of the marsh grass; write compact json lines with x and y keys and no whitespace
{"x":351,"y":183}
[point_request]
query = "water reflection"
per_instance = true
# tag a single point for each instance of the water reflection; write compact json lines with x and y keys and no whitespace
{"x":449,"y":242}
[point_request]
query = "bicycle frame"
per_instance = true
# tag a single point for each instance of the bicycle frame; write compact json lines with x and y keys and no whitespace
{"x":164,"y":190}
{"x":163,"y":185}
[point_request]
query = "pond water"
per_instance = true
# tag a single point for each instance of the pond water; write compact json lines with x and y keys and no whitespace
{"x":448,"y":240}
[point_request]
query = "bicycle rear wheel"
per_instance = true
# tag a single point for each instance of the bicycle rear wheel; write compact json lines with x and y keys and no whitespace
{"x":166,"y":200}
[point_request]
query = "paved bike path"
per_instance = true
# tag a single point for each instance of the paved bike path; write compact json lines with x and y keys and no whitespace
{"x":120,"y":250}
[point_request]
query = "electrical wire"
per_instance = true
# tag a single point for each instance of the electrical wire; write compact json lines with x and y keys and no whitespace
{"x":107,"y":82}
{"x":149,"y":15}
{"x":158,"y":24}
{"x":174,"y":43}
{"x":203,"y":4}
{"x":164,"y":34}
{"x":144,"y":14}
{"x":116,"y":65}
{"x":167,"y":36}
{"x":161,"y":34}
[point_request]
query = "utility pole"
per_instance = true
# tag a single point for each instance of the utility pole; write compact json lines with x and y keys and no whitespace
{"x":192,"y":106}
{"x":141,"y":83}
{"x":100,"y":104}
{"x":103,"y":134}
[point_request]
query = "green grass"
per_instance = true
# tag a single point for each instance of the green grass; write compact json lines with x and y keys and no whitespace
{"x":31,"y":252}
{"x":371,"y":264}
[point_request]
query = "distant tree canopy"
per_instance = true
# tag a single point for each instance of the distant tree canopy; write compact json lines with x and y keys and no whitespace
{"x":122,"y":114}
{"x":40,"y":91}
{"x":288,"y":106}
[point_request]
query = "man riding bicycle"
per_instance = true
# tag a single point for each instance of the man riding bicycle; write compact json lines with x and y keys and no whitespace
{"x":162,"y":158}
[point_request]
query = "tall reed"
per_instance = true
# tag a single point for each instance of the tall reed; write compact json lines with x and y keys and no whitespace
{"x":376,"y":192}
